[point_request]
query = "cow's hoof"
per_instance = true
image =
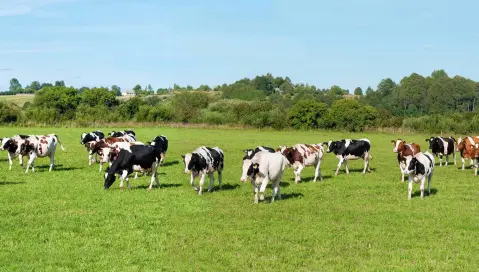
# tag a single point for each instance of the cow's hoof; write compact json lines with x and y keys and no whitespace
{"x":122,"y":188}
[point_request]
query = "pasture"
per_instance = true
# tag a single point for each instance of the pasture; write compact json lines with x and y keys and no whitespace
{"x":18,"y":99}
{"x":64,"y":220}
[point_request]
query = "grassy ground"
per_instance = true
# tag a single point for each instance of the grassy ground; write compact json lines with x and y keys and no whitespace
{"x":64,"y":220}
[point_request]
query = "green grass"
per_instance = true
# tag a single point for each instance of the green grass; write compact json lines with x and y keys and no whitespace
{"x":19,"y":100}
{"x":65,"y":221}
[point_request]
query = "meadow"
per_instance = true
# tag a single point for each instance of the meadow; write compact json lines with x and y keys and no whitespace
{"x":65,"y":220}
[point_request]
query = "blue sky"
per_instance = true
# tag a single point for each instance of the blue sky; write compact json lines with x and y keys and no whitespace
{"x":126,"y":42}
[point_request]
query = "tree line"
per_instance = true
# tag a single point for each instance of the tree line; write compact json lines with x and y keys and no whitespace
{"x":434,"y":103}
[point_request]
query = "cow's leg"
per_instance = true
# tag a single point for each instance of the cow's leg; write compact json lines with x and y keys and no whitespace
{"x":52,"y":161}
{"x":263,"y":187}
{"x":423,"y":180}
{"x":346,"y":166}
{"x":192,"y":182}
{"x":90,"y":158}
{"x":341,"y":161}
{"x":101,"y":165}
{"x":20,"y":159}
{"x":317,"y":172}
{"x":402,"y":171}
{"x":463,"y":163}
{"x":162,"y":158}
{"x":447,"y":160}
{"x":454,"y":157}
{"x":202,"y":181}
{"x":30,"y":162}
{"x":212,"y":181}
{"x":10,"y":160}
{"x":429,"y":184}
{"x":276,"y":189}
{"x":220,"y":178}
{"x":440,"y":160}
{"x":154,"y":166}
{"x":136,"y":175}
{"x":409,"y":187}
{"x":297,"y":172}
{"x":255,"y":189}
{"x":124,"y":175}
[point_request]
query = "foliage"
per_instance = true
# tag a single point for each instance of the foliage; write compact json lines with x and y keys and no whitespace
{"x":307,"y":114}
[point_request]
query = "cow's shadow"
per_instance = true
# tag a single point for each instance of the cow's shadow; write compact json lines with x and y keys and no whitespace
{"x":283,"y":197}
{"x":11,"y":182}
{"x":58,"y":167}
{"x":356,"y":170}
{"x":224,"y":187}
{"x":155,"y":186}
{"x":170,"y":163}
{"x":417,"y":193}
{"x":311,"y":178}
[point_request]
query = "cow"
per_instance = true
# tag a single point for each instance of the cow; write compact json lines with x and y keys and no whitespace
{"x":466,"y":148}
{"x":249,"y":154}
{"x":40,"y":146}
{"x":162,"y":141}
{"x":104,"y":147}
{"x":204,"y":160}
{"x":403,"y":151}
{"x":137,"y":158}
{"x":302,"y":155}
{"x":441,"y":146}
{"x":419,"y":167}
{"x":88,"y":140}
{"x":263,"y":167}
{"x":349,"y":149}
{"x":128,"y":134}
{"x":12,"y":146}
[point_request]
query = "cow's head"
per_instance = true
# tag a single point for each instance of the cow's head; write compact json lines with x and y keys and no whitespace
{"x":246,"y":165}
{"x":3,"y":143}
{"x":186,"y":161}
{"x":415,"y":167}
{"x":461,"y":144}
{"x":253,"y":170}
{"x":109,"y":178}
{"x":82,"y":138}
{"x":398,"y":144}
{"x":331,"y":146}
{"x":433,"y":141}
{"x":9,"y":145}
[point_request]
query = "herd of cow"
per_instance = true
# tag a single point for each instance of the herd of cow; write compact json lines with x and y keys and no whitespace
{"x":261,"y":165}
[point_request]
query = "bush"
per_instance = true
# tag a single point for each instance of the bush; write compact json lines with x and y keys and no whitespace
{"x":351,"y":115}
{"x":305,"y":114}
{"x":9,"y":113}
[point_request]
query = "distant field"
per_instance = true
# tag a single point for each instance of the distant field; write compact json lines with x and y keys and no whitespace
{"x":17,"y":99}
{"x":64,"y":220}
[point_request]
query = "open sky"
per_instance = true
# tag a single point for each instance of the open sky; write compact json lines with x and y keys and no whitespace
{"x":349,"y":43}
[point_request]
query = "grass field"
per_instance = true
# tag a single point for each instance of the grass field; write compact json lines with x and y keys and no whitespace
{"x":64,"y":220}
{"x":19,"y":100}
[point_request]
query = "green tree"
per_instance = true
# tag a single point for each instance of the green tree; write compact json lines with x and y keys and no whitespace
{"x":60,"y":102}
{"x":99,"y":96}
{"x":358,"y":91}
{"x":137,"y":89}
{"x":307,"y":114}
{"x":204,"y":88}
{"x":15,"y":86}
{"x":351,"y":115}
{"x":116,"y":90}
{"x":59,"y":83}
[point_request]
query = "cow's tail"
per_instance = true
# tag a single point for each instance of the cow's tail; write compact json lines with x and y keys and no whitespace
{"x":58,"y":139}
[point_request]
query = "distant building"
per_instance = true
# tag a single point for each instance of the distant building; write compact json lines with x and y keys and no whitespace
{"x":127,"y":93}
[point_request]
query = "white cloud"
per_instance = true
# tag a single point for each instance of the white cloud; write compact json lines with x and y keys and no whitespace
{"x":21,"y":7}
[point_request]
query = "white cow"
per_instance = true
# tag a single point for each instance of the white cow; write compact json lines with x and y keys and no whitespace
{"x":266,"y":166}
{"x":40,"y":146}
{"x":420,"y":167}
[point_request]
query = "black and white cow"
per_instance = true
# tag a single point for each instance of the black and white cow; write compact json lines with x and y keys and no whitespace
{"x":128,"y":134}
{"x":12,"y":146}
{"x":205,"y":160}
{"x":88,"y":140}
{"x":249,"y":154}
{"x":348,"y":149}
{"x":420,"y":167}
{"x":162,"y":142}
{"x":139,"y":158}
{"x":441,"y":146}
{"x":263,"y":167}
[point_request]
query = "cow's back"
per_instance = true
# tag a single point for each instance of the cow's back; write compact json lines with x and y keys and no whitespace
{"x":272,"y":164}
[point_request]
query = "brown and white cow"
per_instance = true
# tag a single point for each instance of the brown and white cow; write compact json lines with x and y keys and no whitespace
{"x":12,"y":146}
{"x":40,"y":146}
{"x":467,"y":148}
{"x":105,"y":147}
{"x":404,"y":151}
{"x":302,"y":155}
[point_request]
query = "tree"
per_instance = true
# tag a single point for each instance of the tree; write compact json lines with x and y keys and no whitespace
{"x":189,"y":87}
{"x":336,"y":90}
{"x":177,"y":87}
{"x":137,"y":89}
{"x":33,"y":87}
{"x":60,"y":83}
{"x":306,"y":114}
{"x":349,"y":114}
{"x":204,"y":88}
{"x":99,"y":96}
{"x":149,"y":89}
{"x":358,"y":91}
{"x":15,"y":86}
{"x":116,"y":90}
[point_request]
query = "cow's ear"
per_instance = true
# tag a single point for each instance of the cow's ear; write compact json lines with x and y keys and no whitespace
{"x":427,"y":140}
{"x":392,"y":141}
{"x":182,"y":156}
{"x":255,"y":166}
